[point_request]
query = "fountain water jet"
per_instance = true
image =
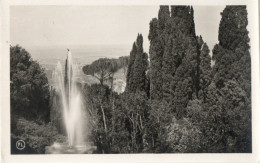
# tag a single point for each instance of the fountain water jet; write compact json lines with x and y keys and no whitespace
{"x":74,"y":116}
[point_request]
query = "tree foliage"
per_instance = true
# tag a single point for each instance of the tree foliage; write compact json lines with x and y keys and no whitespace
{"x":29,"y":87}
{"x":231,"y":55}
{"x":136,"y":79}
{"x":30,"y":104}
{"x":179,"y":102}
{"x":178,"y":58}
{"x":102,"y":69}
{"x":232,"y":76}
{"x":36,"y":136}
{"x":191,"y":106}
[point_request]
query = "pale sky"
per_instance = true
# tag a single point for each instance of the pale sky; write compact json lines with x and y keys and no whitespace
{"x":87,"y":25}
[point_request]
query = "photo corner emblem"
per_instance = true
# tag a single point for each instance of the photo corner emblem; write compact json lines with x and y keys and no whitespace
{"x":20,"y":144}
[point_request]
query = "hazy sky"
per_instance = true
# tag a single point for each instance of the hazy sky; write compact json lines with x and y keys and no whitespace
{"x":86,"y":25}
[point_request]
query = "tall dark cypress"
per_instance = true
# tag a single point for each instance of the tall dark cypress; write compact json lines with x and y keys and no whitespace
{"x":179,"y":59}
{"x":203,"y":74}
{"x":156,"y":52}
{"x":130,"y":69}
{"x":231,"y":55}
{"x":138,"y":64}
{"x":183,"y":84}
{"x":176,"y":55}
{"x":232,"y":78}
{"x":158,"y":38}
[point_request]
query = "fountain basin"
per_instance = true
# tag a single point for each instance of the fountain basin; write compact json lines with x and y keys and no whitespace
{"x":64,"y":148}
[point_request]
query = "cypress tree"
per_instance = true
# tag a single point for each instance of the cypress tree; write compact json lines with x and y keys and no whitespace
{"x":204,"y":75}
{"x":130,"y":69}
{"x":183,"y":84}
{"x":138,"y":63}
{"x":179,"y":41}
{"x":232,"y":77}
{"x":140,"y":66}
{"x":175,"y":55}
{"x":179,"y":59}
{"x":232,"y":57}
{"x":157,"y":37}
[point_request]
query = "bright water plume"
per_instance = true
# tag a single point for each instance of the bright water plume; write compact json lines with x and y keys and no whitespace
{"x":68,"y":89}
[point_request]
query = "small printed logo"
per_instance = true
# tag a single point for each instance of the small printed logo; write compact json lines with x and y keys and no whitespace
{"x":20,"y":144}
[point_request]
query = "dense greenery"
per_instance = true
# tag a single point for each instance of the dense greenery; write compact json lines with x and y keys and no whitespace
{"x":29,"y":87}
{"x":30,"y":104}
{"x":36,"y":136}
{"x":232,"y":77}
{"x":178,"y":101}
{"x":136,"y":72}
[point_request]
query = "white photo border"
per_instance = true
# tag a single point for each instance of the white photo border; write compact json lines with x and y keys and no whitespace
{"x":253,"y":27}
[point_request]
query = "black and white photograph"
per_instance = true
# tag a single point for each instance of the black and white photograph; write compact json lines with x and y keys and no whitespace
{"x":131,"y":79}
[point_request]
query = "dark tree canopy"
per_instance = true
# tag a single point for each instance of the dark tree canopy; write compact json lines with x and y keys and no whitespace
{"x":178,"y":102}
{"x":204,"y":74}
{"x":190,"y":106}
{"x":29,"y":87}
{"x":232,"y":57}
{"x":130,"y":69}
{"x":156,"y":53}
{"x":138,"y":64}
{"x":232,"y":28}
{"x":179,"y":53}
{"x":176,"y":60}
{"x":232,"y":77}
